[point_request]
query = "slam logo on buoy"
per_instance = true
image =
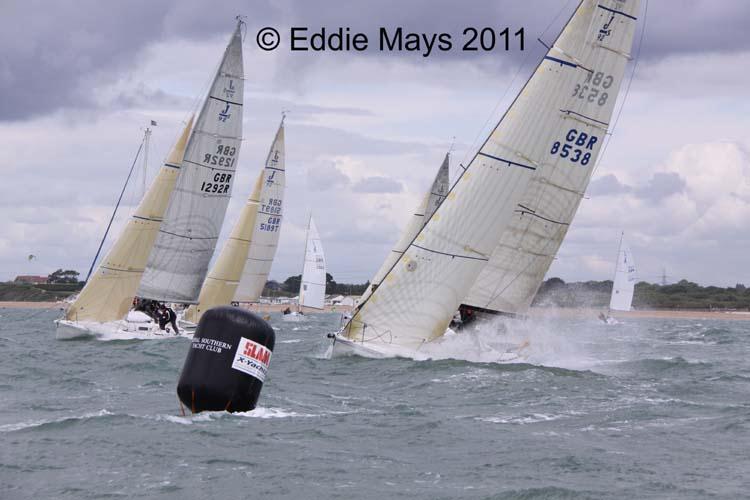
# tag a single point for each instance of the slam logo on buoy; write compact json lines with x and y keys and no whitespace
{"x":252,"y":358}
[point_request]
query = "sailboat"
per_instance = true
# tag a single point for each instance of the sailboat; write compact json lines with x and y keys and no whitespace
{"x":224,"y":277}
{"x":623,"y":284}
{"x":267,"y":229}
{"x":164,"y":250}
{"x":518,"y":193}
{"x":312,"y":287}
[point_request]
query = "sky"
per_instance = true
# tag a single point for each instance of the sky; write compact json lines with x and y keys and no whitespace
{"x":366,"y":131}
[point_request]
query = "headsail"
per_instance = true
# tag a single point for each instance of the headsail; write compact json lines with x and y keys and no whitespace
{"x":596,"y":58}
{"x":109,"y":292}
{"x":187,"y":238}
{"x":623,"y":285}
{"x":265,"y":237}
{"x":312,"y":289}
{"x":548,"y":131}
{"x":224,"y":276}
{"x":432,"y":199}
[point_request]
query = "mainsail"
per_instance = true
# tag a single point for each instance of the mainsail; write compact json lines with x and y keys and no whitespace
{"x":109,"y":292}
{"x":596,"y":58}
{"x":432,"y":199}
{"x":312,"y":288}
{"x":554,"y":131}
{"x":224,"y":276}
{"x":179,"y":260}
{"x":265,"y":236}
{"x":623,"y":285}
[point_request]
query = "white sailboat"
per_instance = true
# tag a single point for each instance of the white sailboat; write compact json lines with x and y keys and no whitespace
{"x":312,"y":287}
{"x":224,"y":277}
{"x":164,"y":250}
{"x":623,"y":284}
{"x":519,"y":190}
{"x":267,"y":228}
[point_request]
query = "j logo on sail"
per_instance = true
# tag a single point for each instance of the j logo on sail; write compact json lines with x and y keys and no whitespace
{"x":269,"y":180}
{"x":224,"y":115}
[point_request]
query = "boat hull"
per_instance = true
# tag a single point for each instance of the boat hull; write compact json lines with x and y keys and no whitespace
{"x":113,"y":330}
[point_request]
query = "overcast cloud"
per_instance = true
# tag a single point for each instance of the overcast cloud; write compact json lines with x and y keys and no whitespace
{"x":367,"y":131}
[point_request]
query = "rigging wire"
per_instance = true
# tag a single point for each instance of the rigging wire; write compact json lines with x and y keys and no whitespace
{"x":114,"y":212}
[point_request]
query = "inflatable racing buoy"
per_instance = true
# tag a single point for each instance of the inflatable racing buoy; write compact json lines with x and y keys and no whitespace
{"x":227,"y":361}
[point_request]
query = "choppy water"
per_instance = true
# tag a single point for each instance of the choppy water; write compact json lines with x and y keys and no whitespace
{"x":647,"y":409}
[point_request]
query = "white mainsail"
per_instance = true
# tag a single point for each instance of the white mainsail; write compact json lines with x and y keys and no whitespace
{"x":549,"y":131}
{"x":224,"y":276}
{"x":187,"y":238}
{"x":432,"y":199}
{"x":541,"y":220}
{"x":109,"y":292}
{"x":312,"y":288}
{"x":265,"y":236}
{"x":623,"y":285}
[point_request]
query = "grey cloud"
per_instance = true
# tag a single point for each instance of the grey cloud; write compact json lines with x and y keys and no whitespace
{"x":607,"y":185}
{"x":661,"y":185}
{"x":53,"y":53}
{"x":325,"y":177}
{"x":378,"y":185}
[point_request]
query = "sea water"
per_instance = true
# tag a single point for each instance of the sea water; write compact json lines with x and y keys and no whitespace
{"x":651,"y":408}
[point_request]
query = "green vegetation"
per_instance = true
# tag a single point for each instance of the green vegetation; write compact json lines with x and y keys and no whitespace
{"x":22,"y":292}
{"x":554,"y":292}
{"x":60,"y":276}
{"x":290,"y":287}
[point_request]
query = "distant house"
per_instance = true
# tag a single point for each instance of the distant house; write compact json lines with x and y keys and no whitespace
{"x":30,"y":279}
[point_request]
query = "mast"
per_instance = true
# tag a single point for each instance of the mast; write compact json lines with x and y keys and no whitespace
{"x":304,"y":259}
{"x":146,"y":142}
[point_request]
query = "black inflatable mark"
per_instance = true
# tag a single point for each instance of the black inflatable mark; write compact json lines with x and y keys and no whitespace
{"x":227,"y":361}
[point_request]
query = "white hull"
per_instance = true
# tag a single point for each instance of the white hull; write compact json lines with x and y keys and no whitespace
{"x":113,"y":330}
{"x":342,"y":346}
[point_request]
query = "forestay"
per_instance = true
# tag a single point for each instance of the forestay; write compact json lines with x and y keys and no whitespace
{"x":623,"y":285}
{"x":265,"y":237}
{"x":108,"y":294}
{"x":312,"y":290}
{"x":179,"y":261}
{"x":547,"y":128}
{"x":224,"y":276}
{"x":431,"y":200}
{"x":592,"y":54}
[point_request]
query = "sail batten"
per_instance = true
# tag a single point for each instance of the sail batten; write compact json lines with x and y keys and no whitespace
{"x":189,"y":232}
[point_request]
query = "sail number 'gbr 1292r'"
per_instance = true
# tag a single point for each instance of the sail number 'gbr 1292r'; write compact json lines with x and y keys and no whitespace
{"x":220,"y":181}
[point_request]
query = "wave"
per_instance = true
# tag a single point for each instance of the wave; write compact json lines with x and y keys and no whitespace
{"x":29,"y":424}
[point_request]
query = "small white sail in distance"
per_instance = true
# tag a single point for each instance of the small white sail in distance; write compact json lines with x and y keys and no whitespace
{"x":540,"y":131}
{"x":265,"y":238}
{"x":188,"y":235}
{"x":623,"y":285}
{"x":312,"y":288}
{"x":542,"y":217}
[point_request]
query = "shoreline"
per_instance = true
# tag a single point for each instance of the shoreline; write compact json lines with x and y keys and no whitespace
{"x":534,"y":312}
